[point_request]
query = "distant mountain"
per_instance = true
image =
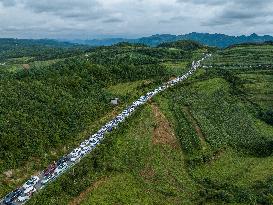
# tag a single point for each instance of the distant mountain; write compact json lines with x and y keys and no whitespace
{"x":38,"y":49}
{"x":13,"y":42}
{"x":217,"y":40}
{"x":101,"y":42}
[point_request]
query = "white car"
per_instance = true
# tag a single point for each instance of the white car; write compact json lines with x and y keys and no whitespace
{"x":103,"y":129}
{"x":23,"y":198}
{"x":75,"y":152}
{"x":125,"y":111}
{"x":126,"y":114}
{"x":75,"y":158}
{"x":47,"y":179}
{"x":94,"y":136}
{"x":29,"y":190}
{"x":100,"y":136}
{"x":84,"y":144}
{"x":131,"y":109}
{"x":137,"y":103}
{"x":61,"y":168}
{"x":31,"y":182}
{"x":26,"y":195}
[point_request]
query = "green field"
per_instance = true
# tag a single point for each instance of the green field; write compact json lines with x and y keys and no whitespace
{"x":51,"y":107}
{"x":208,"y":140}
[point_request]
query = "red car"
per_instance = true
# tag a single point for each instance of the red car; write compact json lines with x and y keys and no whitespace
{"x":50,"y":169}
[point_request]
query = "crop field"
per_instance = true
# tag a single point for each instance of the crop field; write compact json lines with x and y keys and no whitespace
{"x":124,"y":162}
{"x":198,"y":143}
{"x":208,"y":140}
{"x":55,"y":104}
{"x":232,"y":105}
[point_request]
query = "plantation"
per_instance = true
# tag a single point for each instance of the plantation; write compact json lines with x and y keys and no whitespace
{"x":208,"y":140}
{"x":51,"y":107}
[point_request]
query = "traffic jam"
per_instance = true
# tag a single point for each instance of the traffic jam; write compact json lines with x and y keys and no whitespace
{"x":54,"y":170}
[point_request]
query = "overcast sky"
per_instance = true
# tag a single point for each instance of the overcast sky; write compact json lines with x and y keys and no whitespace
{"x":132,"y":18}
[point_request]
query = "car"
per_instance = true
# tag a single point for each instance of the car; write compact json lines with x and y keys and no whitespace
{"x":23,"y":197}
{"x":29,"y":190}
{"x":75,"y":152}
{"x":100,"y":136}
{"x":126,"y":114}
{"x":12,"y":196}
{"x":93,"y":141}
{"x":60,"y":169}
{"x":75,"y":158}
{"x":109,"y":129}
{"x":94,"y":135}
{"x":27,"y":194}
{"x":62,"y":160}
{"x":85,"y":150}
{"x":103,"y":129}
{"x":50,"y":169}
{"x":47,"y":179}
{"x":137,"y":103}
{"x":84,"y":144}
{"x":119,"y":120}
{"x":31,"y":182}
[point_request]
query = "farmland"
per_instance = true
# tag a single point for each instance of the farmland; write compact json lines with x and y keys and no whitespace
{"x":206,"y":141}
{"x":49,"y":108}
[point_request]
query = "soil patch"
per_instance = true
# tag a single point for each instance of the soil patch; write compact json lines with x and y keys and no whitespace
{"x":163,"y":132}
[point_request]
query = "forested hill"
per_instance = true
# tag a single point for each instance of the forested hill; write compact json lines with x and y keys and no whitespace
{"x":207,"y":140}
{"x":39,"y":49}
{"x":217,"y":40}
{"x":48,"y":106}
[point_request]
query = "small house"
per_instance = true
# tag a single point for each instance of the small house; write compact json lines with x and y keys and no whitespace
{"x":115,"y":101}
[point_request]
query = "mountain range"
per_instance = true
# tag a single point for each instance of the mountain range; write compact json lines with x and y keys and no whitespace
{"x":217,"y":40}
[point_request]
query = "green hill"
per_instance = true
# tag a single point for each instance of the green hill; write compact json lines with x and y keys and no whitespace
{"x":183,"y":45}
{"x":42,"y":49}
{"x":51,"y":106}
{"x":208,"y":140}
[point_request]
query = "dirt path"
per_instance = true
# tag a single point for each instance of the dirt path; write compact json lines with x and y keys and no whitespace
{"x":163,"y":132}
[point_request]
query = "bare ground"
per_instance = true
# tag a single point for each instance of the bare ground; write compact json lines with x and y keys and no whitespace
{"x":163,"y":132}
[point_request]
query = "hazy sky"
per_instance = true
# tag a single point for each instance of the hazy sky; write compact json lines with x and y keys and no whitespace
{"x":132,"y":18}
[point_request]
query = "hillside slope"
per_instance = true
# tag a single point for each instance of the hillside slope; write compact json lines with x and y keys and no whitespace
{"x":221,"y":153}
{"x":205,"y":141}
{"x":50,"y":108}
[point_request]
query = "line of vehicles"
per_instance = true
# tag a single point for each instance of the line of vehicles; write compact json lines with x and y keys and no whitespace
{"x":35,"y":183}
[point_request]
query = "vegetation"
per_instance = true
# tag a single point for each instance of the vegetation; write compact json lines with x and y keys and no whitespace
{"x":183,"y":45}
{"x":215,"y":40}
{"x":208,"y":140}
{"x":37,"y":49}
{"x":51,"y":106}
